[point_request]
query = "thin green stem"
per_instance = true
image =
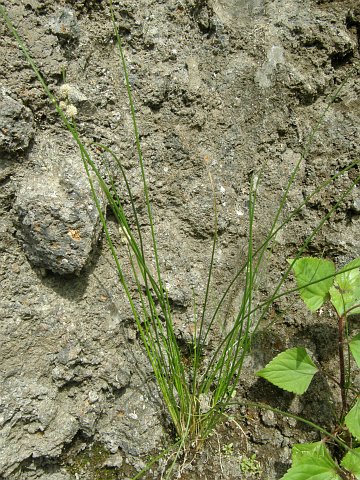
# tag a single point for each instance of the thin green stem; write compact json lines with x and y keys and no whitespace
{"x":202,"y":338}
{"x":342,"y":381}
{"x":138,"y":145}
{"x":260,"y":250}
{"x":283,"y":413}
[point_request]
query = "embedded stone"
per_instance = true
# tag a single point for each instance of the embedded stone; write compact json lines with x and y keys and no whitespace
{"x":65,"y":26}
{"x":58,"y":224}
{"x":16,"y":124}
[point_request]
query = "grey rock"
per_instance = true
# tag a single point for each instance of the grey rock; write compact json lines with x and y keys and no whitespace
{"x":33,"y":426}
{"x":155,"y":95}
{"x":65,"y":26}
{"x":232,"y":12}
{"x":93,"y":397}
{"x":69,"y":354}
{"x":114,"y":461}
{"x":87,"y":423}
{"x":356,"y":205}
{"x":114,"y":376}
{"x":132,"y":424}
{"x":62,"y":375}
{"x":63,"y":429}
{"x":58,"y":223}
{"x":77,"y":98}
{"x":275,"y":57}
{"x":16,"y":124}
{"x":268,"y":418}
{"x":56,"y":476}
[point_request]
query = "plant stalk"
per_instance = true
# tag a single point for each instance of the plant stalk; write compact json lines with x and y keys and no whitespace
{"x":341,"y":326}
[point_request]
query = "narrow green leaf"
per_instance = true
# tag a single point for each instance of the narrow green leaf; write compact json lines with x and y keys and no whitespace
{"x":312,"y":461}
{"x":345,"y":293}
{"x":352,"y":420}
{"x":308,"y":270}
{"x":291,"y":370}
{"x":355,"y":348}
{"x":351,"y":462}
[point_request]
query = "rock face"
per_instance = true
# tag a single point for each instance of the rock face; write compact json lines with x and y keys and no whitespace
{"x":35,"y":402}
{"x":65,"y":26}
{"x":16,"y":124}
{"x":223,"y":90}
{"x":58,"y":224}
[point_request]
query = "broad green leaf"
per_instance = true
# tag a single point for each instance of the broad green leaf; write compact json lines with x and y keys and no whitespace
{"x":301,"y":450}
{"x":351,"y":462}
{"x":345,"y":293}
{"x":314,"y":469}
{"x":312,"y":461}
{"x":355,"y":348}
{"x":291,"y":370}
{"x":309,"y":270}
{"x":352,"y":420}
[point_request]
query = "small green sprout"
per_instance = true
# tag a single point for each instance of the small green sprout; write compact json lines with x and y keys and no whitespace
{"x":228,"y":449}
{"x":250,"y":466}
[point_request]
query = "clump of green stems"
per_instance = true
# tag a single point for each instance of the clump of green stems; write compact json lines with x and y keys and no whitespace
{"x":196,"y":396}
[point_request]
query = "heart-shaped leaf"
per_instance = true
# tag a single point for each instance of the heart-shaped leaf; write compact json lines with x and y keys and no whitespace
{"x":355,"y":348}
{"x":314,"y":277}
{"x":351,"y":462}
{"x":352,"y":420}
{"x":301,"y":450}
{"x":345,"y":293}
{"x":291,"y":370}
{"x":312,"y":461}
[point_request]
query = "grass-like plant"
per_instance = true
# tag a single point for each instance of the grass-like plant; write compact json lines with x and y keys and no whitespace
{"x":293,"y":369}
{"x":195,"y":393}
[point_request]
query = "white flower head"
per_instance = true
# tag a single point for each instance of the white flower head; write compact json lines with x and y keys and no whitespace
{"x":71,"y":111}
{"x":64,"y":91}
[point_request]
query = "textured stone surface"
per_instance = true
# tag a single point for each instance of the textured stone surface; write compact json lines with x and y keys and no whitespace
{"x":65,"y":26}
{"x":58,"y":224}
{"x":16,"y":123}
{"x":47,"y":425}
{"x":227,"y":87}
